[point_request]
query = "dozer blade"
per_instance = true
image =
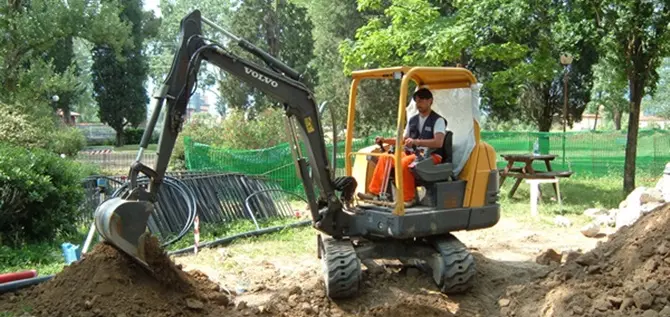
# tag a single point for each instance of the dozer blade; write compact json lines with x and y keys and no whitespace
{"x":123,"y":223}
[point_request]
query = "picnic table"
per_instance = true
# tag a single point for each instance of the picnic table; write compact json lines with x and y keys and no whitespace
{"x":527,"y":171}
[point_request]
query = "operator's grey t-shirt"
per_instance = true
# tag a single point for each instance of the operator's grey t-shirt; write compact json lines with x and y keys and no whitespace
{"x":439,"y":127}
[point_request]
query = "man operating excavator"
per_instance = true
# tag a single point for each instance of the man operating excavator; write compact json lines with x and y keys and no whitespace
{"x":423,"y":131}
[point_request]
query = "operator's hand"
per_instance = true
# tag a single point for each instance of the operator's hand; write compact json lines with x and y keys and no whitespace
{"x":410,"y":142}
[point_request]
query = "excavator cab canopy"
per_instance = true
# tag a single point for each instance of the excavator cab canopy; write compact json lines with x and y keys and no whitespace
{"x":455,"y":97}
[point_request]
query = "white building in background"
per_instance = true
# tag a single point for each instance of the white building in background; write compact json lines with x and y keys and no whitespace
{"x":646,"y":122}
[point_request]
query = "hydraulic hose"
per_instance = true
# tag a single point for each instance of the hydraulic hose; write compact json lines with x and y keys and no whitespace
{"x":248,"y":234}
{"x":184,"y":191}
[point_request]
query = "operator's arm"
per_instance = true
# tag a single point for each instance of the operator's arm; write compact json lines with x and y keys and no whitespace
{"x":391,"y":141}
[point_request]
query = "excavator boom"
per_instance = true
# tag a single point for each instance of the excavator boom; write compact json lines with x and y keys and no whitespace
{"x":123,"y":220}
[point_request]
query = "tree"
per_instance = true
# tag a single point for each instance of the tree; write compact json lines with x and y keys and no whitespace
{"x":609,"y":91}
{"x":334,"y":21}
{"x":659,"y":103}
{"x":281,"y":28}
{"x":38,"y":26}
{"x":636,"y":34}
{"x":119,"y":80}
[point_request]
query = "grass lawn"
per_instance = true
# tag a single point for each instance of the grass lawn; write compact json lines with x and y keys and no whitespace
{"x":578,"y":194}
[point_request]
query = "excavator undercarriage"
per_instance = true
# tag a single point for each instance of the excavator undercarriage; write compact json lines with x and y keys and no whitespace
{"x":349,"y":233}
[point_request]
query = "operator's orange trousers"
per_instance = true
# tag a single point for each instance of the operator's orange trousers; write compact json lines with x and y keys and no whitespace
{"x":408,"y":187}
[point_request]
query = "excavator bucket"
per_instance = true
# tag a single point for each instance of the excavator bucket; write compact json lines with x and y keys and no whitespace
{"x":123,"y":223}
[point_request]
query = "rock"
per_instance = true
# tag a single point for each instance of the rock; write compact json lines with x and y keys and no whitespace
{"x":616,"y":301}
{"x":241,"y":305}
{"x":602,"y":305}
{"x":650,"y":313}
{"x":547,"y":257}
{"x":651,"y":195}
{"x":88,"y":304}
{"x":578,"y":310}
{"x":590,"y":230}
{"x":293,"y":300}
{"x":604,"y":220}
{"x":194,"y":304}
{"x":651,"y":207}
{"x":643,"y":299}
{"x":562,"y":221}
{"x":504,"y":302}
{"x":307,"y":308}
{"x":595,"y":212}
{"x":570,"y":256}
{"x":665,"y":312}
{"x":663,"y":184}
{"x":587,"y":259}
{"x":593,"y":269}
{"x":662,"y":249}
{"x":220,"y":299}
{"x":295,"y":290}
{"x":627,"y":302}
{"x":630,"y":213}
{"x":413,"y":272}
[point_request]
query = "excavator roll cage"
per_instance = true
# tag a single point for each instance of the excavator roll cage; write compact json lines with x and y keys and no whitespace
{"x":281,"y":82}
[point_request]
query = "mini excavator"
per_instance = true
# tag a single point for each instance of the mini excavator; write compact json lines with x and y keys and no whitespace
{"x":350,"y":232}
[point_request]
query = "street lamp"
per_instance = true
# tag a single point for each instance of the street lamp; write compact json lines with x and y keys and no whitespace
{"x":566,"y":60}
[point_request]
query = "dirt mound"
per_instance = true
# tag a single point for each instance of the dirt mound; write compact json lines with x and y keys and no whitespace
{"x":107,"y":282}
{"x":628,"y":275}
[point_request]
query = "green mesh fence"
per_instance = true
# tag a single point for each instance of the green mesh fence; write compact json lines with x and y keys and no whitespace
{"x":585,"y":153}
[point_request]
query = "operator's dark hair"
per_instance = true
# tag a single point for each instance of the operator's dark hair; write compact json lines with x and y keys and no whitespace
{"x":423,"y":93}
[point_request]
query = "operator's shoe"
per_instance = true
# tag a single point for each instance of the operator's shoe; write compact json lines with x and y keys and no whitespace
{"x":366,"y":196}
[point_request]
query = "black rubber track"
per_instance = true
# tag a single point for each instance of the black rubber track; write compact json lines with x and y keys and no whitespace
{"x":341,"y":268}
{"x":459,"y":265}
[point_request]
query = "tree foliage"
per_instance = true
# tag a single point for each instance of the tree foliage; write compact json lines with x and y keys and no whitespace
{"x":119,"y":78}
{"x":281,"y":28}
{"x":635,"y":34}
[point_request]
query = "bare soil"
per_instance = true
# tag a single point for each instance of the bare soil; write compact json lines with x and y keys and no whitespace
{"x":623,"y":274}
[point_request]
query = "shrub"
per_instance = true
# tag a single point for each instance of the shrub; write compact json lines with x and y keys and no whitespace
{"x":39,"y":195}
{"x":68,"y":141}
{"x":134,"y":136}
{"x":23,"y":129}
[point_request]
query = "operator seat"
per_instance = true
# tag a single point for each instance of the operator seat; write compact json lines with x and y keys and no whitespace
{"x":426,"y":172}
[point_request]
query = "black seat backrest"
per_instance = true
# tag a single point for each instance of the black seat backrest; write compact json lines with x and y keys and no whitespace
{"x":447,"y":147}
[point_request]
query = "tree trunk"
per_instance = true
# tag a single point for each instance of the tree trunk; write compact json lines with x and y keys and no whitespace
{"x":617,"y":120}
{"x":636,"y":91}
{"x":119,"y":137}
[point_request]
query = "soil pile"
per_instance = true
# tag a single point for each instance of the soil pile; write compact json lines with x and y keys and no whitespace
{"x":629,"y":275}
{"x":107,"y":282}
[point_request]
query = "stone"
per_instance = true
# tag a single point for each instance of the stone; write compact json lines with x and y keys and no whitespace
{"x":578,"y":310}
{"x":504,"y":302}
{"x":562,"y":221}
{"x":604,"y":220}
{"x":662,"y":249}
{"x":194,"y":304}
{"x":570,"y":256}
{"x":665,"y":312}
{"x":643,"y":299}
{"x":548,"y":256}
{"x":651,"y":195}
{"x":627,"y":302}
{"x":587,"y":259}
{"x":241,"y":305}
{"x":651,"y":207}
{"x":594,"y":212}
{"x":650,"y":313}
{"x":630,"y":213}
{"x":616,"y":301}
{"x":88,"y":304}
{"x":307,"y":308}
{"x":602,"y":305}
{"x":590,"y":230}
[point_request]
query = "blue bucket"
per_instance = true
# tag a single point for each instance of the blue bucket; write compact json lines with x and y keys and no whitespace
{"x":71,"y":252}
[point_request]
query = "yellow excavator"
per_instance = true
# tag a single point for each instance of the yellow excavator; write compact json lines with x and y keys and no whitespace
{"x":458,"y":193}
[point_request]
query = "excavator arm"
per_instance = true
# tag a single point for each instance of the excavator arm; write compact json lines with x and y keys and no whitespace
{"x":123,"y":220}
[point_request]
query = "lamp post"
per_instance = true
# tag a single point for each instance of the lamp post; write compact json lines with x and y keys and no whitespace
{"x":566,"y":60}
